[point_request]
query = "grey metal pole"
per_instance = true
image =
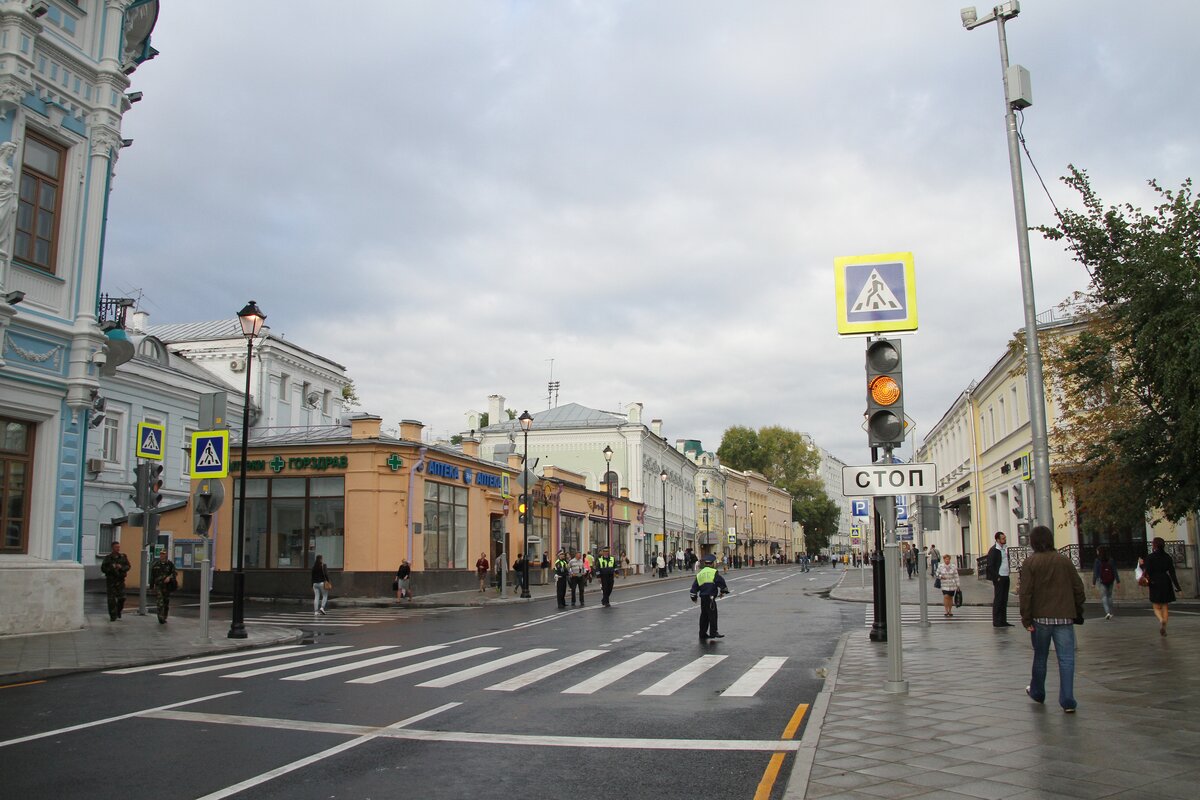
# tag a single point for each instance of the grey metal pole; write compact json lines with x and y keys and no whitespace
{"x":205,"y":566}
{"x":891,"y":552}
{"x":922,"y":572}
{"x":1043,"y":513}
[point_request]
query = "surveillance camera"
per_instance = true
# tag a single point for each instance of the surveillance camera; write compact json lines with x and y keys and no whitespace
{"x":99,"y":358}
{"x":134,"y":97}
{"x":14,"y":297}
{"x":39,"y":9}
{"x":127,"y":143}
{"x":969,"y":16}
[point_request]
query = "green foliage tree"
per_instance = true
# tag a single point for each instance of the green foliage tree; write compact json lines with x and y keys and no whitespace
{"x":349,"y":396}
{"x":1133,"y":376}
{"x":740,"y":449}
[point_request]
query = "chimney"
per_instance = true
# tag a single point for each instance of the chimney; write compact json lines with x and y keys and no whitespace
{"x":656,"y":427}
{"x":470,"y":446}
{"x":495,"y":409}
{"x":410,"y":429}
{"x":365,"y":426}
{"x":635,"y":413}
{"x":624,"y":492}
{"x":139,"y":321}
{"x":514,"y":461}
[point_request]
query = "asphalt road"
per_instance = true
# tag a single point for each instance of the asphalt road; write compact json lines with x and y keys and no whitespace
{"x":521,"y":699}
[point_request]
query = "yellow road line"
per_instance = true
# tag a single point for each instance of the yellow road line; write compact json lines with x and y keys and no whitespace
{"x":771,"y":773}
{"x":15,"y":685}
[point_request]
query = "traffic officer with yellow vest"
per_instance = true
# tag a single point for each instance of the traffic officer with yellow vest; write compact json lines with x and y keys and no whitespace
{"x":707,"y":585}
{"x":560,"y":578}
{"x":606,"y":568}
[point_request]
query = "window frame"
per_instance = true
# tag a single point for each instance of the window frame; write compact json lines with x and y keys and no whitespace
{"x":116,"y":421}
{"x":26,"y":458}
{"x":42,"y":179}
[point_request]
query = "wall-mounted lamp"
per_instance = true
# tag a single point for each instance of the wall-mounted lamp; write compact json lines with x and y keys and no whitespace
{"x":127,"y":143}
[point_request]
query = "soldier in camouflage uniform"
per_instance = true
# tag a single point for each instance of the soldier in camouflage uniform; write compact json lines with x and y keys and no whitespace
{"x":162,"y":578}
{"x":115,"y":566}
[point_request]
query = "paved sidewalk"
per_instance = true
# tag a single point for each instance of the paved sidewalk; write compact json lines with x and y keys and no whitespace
{"x":965,"y":728}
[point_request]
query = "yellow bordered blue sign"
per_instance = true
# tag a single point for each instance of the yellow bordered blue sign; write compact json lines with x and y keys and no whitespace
{"x":149,"y":442}
{"x":876,"y":293}
{"x":210,"y":454}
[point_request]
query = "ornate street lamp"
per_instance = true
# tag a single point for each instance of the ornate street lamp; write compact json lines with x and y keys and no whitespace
{"x":608,"y":454}
{"x":751,"y":535}
{"x":662,"y":476}
{"x":526,"y":420}
{"x":735,"y":533}
{"x":707,"y":531}
{"x":251,"y":318}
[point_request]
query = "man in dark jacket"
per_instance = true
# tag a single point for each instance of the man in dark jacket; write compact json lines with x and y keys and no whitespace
{"x":115,"y":567}
{"x":1051,"y":596}
{"x":606,"y":568}
{"x":998,"y":574}
{"x":707,"y":584}
{"x":560,"y":578}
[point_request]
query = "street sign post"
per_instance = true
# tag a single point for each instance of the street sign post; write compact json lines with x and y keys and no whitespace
{"x":889,"y":479}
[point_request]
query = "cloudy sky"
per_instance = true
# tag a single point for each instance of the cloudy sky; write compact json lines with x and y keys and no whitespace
{"x":444,"y":197}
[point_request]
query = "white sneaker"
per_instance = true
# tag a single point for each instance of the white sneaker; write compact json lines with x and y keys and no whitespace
{"x":1108,"y":616}
{"x":321,"y":611}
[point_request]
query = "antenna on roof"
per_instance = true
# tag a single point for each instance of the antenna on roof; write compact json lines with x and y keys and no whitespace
{"x":552,"y":388}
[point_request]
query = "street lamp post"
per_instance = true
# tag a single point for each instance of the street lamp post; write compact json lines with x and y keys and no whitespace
{"x":735,"y":532}
{"x":751,"y":534}
{"x":1035,"y":385}
{"x":662,"y":476}
{"x":526,"y":420}
{"x":251,"y":318}
{"x":608,"y":454}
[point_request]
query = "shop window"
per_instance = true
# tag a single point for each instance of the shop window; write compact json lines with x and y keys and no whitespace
{"x":16,"y":465}
{"x":570,"y":532}
{"x":445,"y":531}
{"x":290,"y":521}
{"x":598,"y":535}
{"x":38,"y":205}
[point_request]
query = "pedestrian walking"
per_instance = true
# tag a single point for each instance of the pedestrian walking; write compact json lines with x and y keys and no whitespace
{"x":545,"y":568}
{"x":947,"y":581}
{"x":1104,"y":575}
{"x":115,"y":567}
{"x":576,"y":576}
{"x":1160,"y":569}
{"x":518,"y":573}
{"x":1051,"y":597}
{"x":998,"y":574}
{"x":588,"y":566}
{"x":403,"y":586}
{"x":935,"y":560}
{"x":561,"y":575}
{"x":660,"y":564}
{"x":910,"y":561}
{"x":624,"y":565}
{"x":606,"y":568}
{"x":163,"y":581}
{"x":321,"y":585}
{"x":707,"y":585}
{"x":481,"y":569}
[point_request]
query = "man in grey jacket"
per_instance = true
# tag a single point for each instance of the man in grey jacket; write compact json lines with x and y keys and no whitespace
{"x":1051,"y":597}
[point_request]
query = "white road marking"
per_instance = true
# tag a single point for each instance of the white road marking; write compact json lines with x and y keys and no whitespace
{"x":258,"y":780}
{"x":683,"y":676}
{"x":250,"y":673}
{"x":484,"y":669}
{"x":370,"y":662}
{"x":106,"y":720}
{"x":411,"y":668}
{"x":613,"y":674}
{"x":186,"y":661}
{"x":521,"y":681}
{"x":215,"y":667}
{"x":755,"y":677}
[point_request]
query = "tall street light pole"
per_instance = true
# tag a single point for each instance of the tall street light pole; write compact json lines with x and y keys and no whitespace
{"x":707,"y":532}
{"x":1015,"y":97}
{"x":608,"y":454}
{"x":251,"y":318}
{"x":751,"y":534}
{"x":526,"y":420}
{"x":662,"y":476}
{"x":735,"y":532}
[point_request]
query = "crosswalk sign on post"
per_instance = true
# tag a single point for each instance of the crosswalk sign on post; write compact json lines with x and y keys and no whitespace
{"x":875,"y":294}
{"x":149,"y":442}
{"x":210,"y":454}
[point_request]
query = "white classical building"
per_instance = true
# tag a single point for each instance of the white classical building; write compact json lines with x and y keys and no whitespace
{"x":64,"y":73}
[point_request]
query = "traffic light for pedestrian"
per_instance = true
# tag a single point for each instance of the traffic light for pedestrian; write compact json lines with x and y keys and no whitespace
{"x":154,"y":483}
{"x":522,"y":508}
{"x":885,"y":393}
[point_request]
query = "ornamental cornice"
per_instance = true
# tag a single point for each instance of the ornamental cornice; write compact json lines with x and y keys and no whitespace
{"x":105,"y":142}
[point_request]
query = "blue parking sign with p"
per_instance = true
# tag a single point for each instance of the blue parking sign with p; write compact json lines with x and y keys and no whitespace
{"x":210,"y":454}
{"x":858,"y":508}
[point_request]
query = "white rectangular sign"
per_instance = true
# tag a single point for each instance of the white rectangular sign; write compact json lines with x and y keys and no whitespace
{"x":885,"y":479}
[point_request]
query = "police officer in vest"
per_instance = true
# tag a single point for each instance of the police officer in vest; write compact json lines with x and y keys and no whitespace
{"x":606,"y":568}
{"x":707,"y":585}
{"x":560,"y":578}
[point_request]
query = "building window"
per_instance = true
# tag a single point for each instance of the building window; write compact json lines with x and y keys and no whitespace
{"x":16,"y":465}
{"x":570,"y":531}
{"x":597,"y":534}
{"x":445,"y":530}
{"x":291,"y":521}
{"x":37,"y":209}
{"x":110,"y":448}
{"x":105,"y":540}
{"x":188,"y":454}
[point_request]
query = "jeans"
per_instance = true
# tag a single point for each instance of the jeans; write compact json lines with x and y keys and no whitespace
{"x":320,"y":595}
{"x":1063,"y":637}
{"x":1106,"y":591}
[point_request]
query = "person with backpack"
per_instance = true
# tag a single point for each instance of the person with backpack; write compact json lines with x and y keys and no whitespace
{"x":1105,"y":572}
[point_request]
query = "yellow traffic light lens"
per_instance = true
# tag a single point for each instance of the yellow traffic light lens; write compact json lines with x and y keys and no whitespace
{"x":884,"y":390}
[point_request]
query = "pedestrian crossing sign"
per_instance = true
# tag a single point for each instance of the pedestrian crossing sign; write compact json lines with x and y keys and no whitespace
{"x":149,"y":442}
{"x":876,"y":293}
{"x":210,"y":454}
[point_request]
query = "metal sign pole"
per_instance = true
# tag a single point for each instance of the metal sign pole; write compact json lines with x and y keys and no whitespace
{"x":204,"y":588}
{"x":895,"y":682}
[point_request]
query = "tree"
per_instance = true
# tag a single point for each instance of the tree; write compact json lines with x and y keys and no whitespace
{"x":740,"y":449}
{"x":1140,"y":345}
{"x":818,"y":514}
{"x":349,"y":397}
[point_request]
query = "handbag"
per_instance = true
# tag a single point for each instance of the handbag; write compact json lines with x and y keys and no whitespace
{"x":957,"y":598}
{"x":328,"y":586}
{"x":395,"y":584}
{"x":937,"y":584}
{"x":1143,"y":578}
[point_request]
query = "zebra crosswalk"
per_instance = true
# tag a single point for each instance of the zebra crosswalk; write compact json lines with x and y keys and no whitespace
{"x":344,"y":617}
{"x":654,"y":674}
{"x":911,"y":615}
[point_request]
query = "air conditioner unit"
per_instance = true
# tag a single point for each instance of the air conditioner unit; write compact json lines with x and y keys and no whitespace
{"x":95,"y":465}
{"x":237,"y":364}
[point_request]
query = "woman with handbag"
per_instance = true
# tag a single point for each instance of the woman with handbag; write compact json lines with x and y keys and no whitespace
{"x":1160,"y":570}
{"x":947,"y":581}
{"x":321,"y":585}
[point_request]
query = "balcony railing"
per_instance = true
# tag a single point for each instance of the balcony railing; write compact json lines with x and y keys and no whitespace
{"x":1124,"y":554}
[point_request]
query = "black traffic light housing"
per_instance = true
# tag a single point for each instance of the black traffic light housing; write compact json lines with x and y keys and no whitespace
{"x":139,"y":485}
{"x":522,"y":508}
{"x":885,"y":393}
{"x":154,"y":483}
{"x":203,"y":506}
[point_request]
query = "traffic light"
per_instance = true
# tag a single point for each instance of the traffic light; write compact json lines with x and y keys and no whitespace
{"x":885,"y":393}
{"x":203,"y":506}
{"x":154,"y":483}
{"x":139,"y":485}
{"x":522,"y":508}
